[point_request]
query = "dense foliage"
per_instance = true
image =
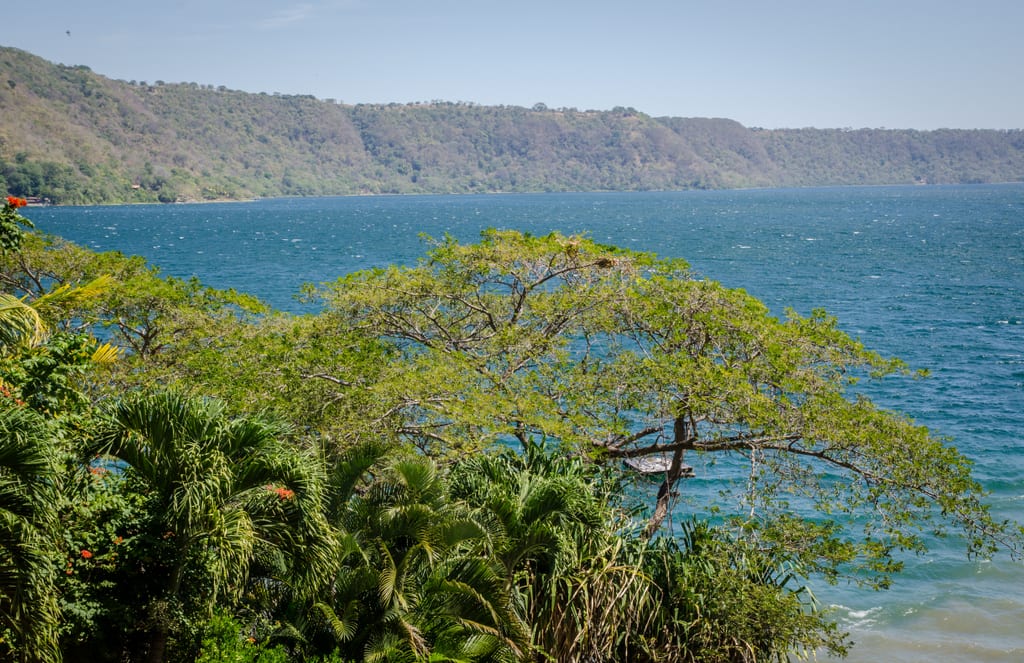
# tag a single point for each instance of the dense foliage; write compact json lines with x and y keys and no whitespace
{"x":430,"y":468}
{"x":72,"y":136}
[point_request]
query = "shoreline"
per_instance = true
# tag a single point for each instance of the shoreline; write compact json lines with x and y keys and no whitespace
{"x":216,"y":201}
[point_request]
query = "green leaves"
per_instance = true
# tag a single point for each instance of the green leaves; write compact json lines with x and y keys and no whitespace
{"x":28,"y":478}
{"x":221,"y":490}
{"x":726,"y":598}
{"x":445,"y":491}
{"x":12,"y":225}
{"x":615,"y":354}
{"x":415,"y":578}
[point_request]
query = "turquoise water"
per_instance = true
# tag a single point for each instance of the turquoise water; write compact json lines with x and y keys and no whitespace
{"x":934,"y":275}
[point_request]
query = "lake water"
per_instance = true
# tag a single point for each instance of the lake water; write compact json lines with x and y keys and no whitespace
{"x":934,"y":275}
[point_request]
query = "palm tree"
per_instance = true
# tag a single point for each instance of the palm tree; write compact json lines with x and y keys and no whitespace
{"x":28,"y":603}
{"x":573,"y":568}
{"x":536,"y":497}
{"x":416,"y":579}
{"x":223,"y":492}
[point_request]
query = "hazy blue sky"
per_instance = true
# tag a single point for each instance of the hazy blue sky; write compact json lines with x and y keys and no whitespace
{"x":787,"y":63}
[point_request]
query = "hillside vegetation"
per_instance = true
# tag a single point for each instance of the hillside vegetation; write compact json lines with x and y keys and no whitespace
{"x":73,"y":136}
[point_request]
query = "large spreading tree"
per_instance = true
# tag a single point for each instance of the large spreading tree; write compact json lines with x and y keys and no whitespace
{"x":619,"y":355}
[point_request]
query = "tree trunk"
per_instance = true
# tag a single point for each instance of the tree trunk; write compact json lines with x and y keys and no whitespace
{"x":681,"y":432}
{"x":665,"y":494}
{"x":158,"y":641}
{"x":162,"y":627}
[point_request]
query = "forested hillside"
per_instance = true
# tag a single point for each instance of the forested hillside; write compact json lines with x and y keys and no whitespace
{"x":71,"y":136}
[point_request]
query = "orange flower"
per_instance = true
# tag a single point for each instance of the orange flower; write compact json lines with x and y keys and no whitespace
{"x":119,"y":540}
{"x":86,"y":554}
{"x":16,"y":202}
{"x":282,"y":492}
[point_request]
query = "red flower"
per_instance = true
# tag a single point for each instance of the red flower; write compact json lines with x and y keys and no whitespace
{"x":86,"y":554}
{"x":16,"y":202}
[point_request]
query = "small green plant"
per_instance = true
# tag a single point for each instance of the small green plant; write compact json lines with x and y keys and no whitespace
{"x":224,"y":642}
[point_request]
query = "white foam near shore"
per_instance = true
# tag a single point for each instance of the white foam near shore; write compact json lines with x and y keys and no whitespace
{"x":917,"y":647}
{"x":863,"y":618}
{"x":954,"y":631}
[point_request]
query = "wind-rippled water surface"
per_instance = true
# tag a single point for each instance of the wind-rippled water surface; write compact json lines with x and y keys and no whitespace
{"x":934,"y":275}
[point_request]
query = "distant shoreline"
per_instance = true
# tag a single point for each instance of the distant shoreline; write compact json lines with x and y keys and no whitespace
{"x":219,"y":201}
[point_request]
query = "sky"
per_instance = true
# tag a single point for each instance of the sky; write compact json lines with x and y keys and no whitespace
{"x":898,"y":64}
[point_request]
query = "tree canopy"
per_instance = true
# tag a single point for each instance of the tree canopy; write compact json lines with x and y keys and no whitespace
{"x":614,"y":355}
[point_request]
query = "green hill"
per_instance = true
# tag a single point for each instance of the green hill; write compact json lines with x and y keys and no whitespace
{"x":74,"y":136}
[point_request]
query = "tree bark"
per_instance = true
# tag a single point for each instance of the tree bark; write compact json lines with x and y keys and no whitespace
{"x":162,"y":627}
{"x":675,"y":470}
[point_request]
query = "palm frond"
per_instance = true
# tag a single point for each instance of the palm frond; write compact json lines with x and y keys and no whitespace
{"x":105,"y":353}
{"x":67,"y":295}
{"x":20,"y":323}
{"x":28,"y":599}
